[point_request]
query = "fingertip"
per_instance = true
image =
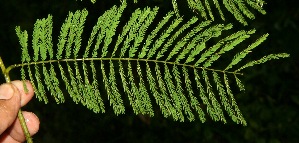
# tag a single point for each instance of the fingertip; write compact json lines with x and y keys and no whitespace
{"x":32,"y":123}
{"x":6,"y":138}
{"x":9,"y":108}
{"x":26,"y":96}
{"x":6,"y":91}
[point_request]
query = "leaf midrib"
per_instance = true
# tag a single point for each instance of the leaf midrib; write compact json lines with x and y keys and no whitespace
{"x":119,"y":59}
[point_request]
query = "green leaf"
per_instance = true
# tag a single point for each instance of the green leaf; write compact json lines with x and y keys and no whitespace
{"x":186,"y":38}
{"x":23,"y":38}
{"x":223,"y":97}
{"x":231,"y":41}
{"x":218,"y":111}
{"x":173,"y":93}
{"x":168,"y":61}
{"x":180,"y":91}
{"x":169,"y":103}
{"x":161,"y":99}
{"x":194,"y":101}
{"x":238,"y":118}
{"x":144,"y":96}
{"x":238,"y":57}
{"x":211,"y":111}
{"x":263,"y":60}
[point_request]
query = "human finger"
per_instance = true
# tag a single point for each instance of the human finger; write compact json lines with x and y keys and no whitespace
{"x":25,"y":96}
{"x":9,"y":105}
{"x":32,"y":123}
{"x":5,"y":138}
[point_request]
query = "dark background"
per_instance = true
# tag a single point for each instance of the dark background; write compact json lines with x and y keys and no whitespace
{"x":270,"y":104}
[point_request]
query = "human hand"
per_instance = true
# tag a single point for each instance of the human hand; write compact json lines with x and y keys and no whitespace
{"x":12,"y":98}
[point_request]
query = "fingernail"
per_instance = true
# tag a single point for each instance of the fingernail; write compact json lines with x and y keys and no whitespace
{"x":6,"y":92}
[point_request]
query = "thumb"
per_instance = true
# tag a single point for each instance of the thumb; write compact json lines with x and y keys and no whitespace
{"x":10,"y":103}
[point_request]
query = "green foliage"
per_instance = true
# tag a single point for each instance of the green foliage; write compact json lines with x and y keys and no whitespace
{"x":172,"y":62}
{"x":238,"y":8}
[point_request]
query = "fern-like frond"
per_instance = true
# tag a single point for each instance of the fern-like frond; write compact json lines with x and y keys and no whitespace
{"x":263,"y":60}
{"x":238,"y":8}
{"x":170,"y":64}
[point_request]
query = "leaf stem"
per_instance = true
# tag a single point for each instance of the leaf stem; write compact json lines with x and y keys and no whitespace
{"x":20,"y":115}
{"x":119,"y":59}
